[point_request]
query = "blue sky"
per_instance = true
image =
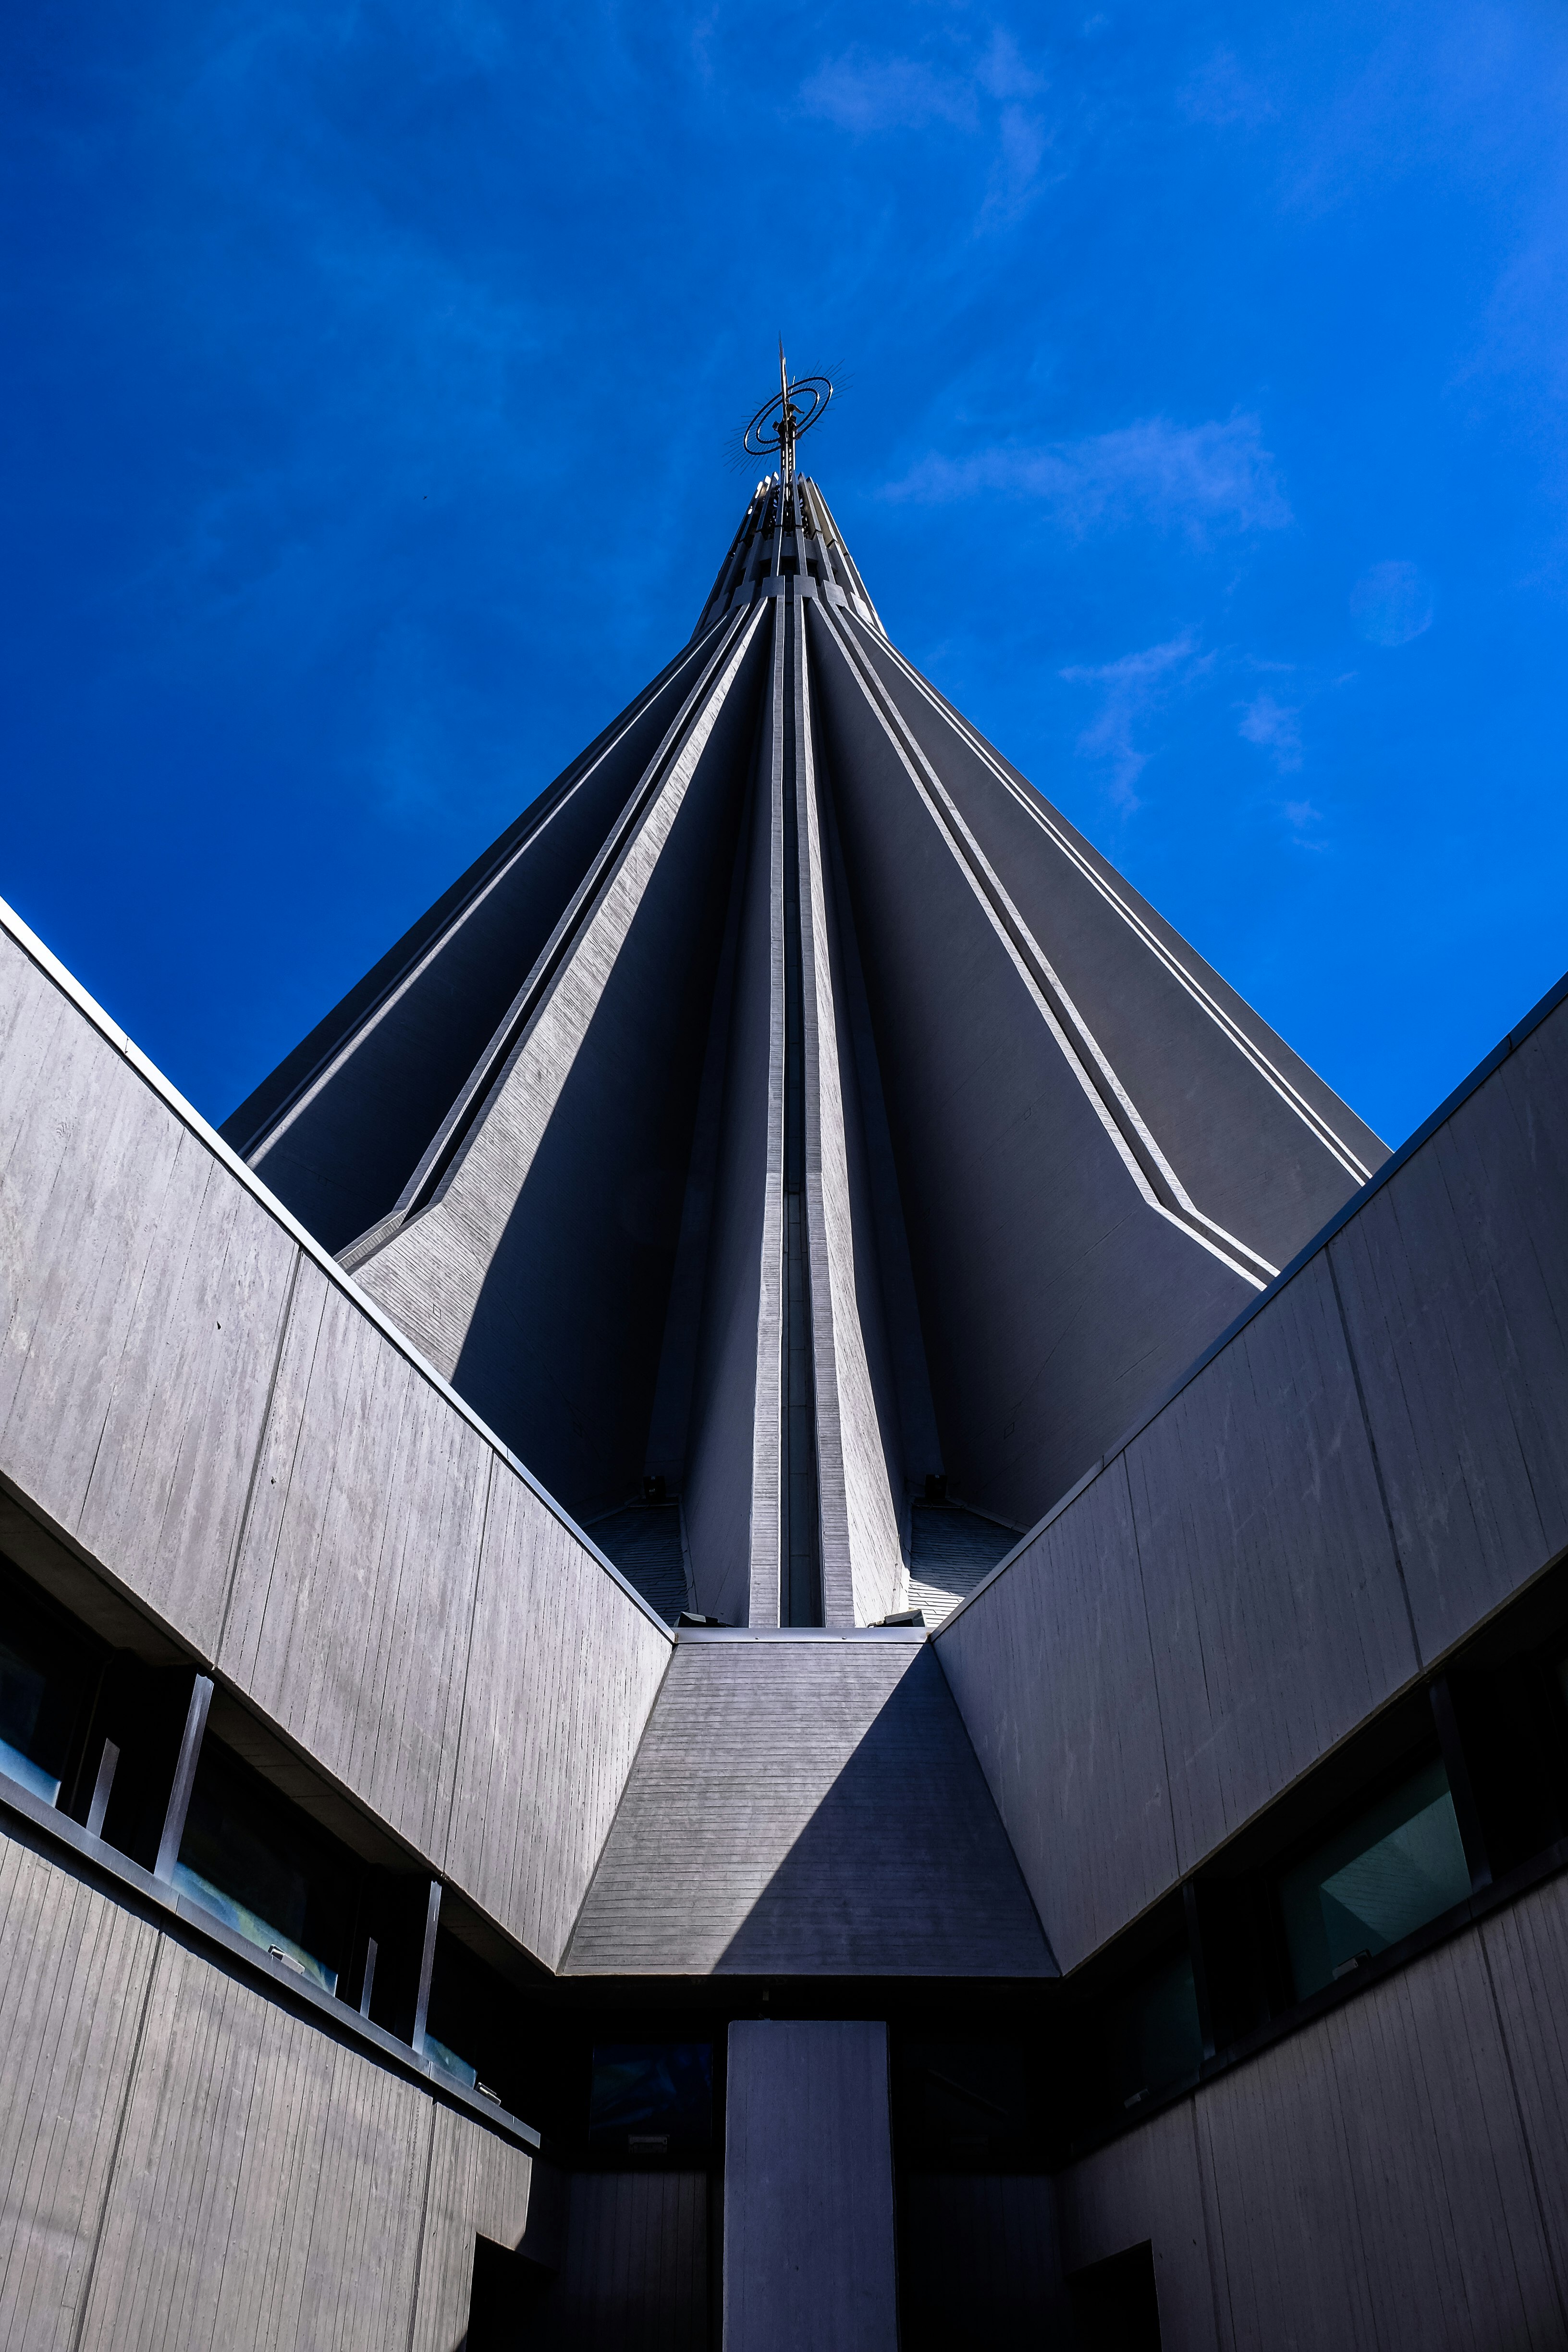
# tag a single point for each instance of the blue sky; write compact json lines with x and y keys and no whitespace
{"x":371,"y":373}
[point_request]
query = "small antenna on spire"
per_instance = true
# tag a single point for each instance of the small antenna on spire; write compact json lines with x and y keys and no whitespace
{"x":779,"y":421}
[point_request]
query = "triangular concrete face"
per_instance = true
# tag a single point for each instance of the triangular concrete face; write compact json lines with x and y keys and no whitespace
{"x":793,"y":1108}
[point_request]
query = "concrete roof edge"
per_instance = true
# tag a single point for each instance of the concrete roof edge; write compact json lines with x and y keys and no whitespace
{"x":50,"y":964}
{"x":1506,"y":1045}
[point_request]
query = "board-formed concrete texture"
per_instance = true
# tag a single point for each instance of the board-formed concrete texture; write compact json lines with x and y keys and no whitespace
{"x":808,"y":2205}
{"x":806,"y":1805}
{"x":789,"y":1183}
{"x":1392,"y":2176}
{"x":186,"y":2162}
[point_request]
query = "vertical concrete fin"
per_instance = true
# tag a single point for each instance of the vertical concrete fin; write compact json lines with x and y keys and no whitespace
{"x":863,"y":1572}
{"x":536,"y":1274}
{"x":732,"y":1490}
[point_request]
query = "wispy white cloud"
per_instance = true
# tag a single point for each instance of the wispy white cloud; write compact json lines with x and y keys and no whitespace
{"x":1276,"y":728}
{"x":1223,"y":93}
{"x":861,"y":92}
{"x":1131,"y":688}
{"x":1196,"y":476}
{"x":1393,"y":603}
{"x":992,"y":95}
{"x":1021,"y":144}
{"x":1302,"y":819}
{"x":1002,"y":73}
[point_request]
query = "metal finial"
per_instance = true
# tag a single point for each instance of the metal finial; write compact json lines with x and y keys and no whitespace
{"x":779,"y":421}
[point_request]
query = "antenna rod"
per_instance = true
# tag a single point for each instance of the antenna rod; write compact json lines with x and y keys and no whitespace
{"x":786,"y":431}
{"x":779,"y":421}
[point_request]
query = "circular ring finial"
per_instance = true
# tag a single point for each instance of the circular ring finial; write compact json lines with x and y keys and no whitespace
{"x":792,"y":411}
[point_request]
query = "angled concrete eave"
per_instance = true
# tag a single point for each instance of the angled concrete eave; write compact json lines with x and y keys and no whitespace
{"x":212,"y":1415}
{"x":806,"y":1804}
{"x":1366,"y":1466}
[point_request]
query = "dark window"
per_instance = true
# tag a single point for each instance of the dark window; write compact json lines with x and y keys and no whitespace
{"x":1153,"y":2038}
{"x":47,"y":1679}
{"x":472,"y":2025}
{"x":452,"y":2062}
{"x":1513,"y":1733}
{"x":257,"y":1863}
{"x":1395,"y":1866}
{"x":962,"y":2104}
{"x":651,"y":2098}
{"x":1114,"y":2305}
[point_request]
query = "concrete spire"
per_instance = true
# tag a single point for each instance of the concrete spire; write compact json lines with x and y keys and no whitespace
{"x":793,"y":1106}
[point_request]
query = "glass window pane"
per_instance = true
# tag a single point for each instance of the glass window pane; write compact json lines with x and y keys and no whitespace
{"x":21,"y":1702}
{"x":1398,"y":1864}
{"x":1152,"y":2035}
{"x":473,"y":2025}
{"x":653,"y":2087}
{"x":45,"y":1683}
{"x":240,"y":1861}
{"x":18,"y":1766}
{"x":450,"y":2059}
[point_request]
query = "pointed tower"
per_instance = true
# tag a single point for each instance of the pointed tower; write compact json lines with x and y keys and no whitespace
{"x":793,"y":1108}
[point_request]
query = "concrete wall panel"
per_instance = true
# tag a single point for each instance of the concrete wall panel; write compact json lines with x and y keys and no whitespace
{"x":1526,"y":1949}
{"x":1391,"y":2174}
{"x":354,"y":1592}
{"x":1280,"y":1613}
{"x":563,"y":1670}
{"x":186,"y":2162}
{"x":264,"y":2185}
{"x":142,"y":1298}
{"x":1275,"y":1608}
{"x":1055,"y":1677}
{"x":634,"y":2270}
{"x":74,"y":1973}
{"x":1151,"y":2187}
{"x":1372,"y":2180}
{"x":136,"y":1421}
{"x":478,"y":2186}
{"x":1455,"y":1282}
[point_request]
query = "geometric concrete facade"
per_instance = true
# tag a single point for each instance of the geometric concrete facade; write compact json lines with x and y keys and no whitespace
{"x":408,"y":1933}
{"x":793,"y":1099}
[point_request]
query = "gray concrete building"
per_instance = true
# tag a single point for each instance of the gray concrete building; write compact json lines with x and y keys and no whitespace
{"x":793,"y":1604}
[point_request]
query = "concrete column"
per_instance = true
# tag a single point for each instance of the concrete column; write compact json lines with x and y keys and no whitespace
{"x":808,"y":2191}
{"x":733,"y":1456}
{"x":859,"y":1488}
